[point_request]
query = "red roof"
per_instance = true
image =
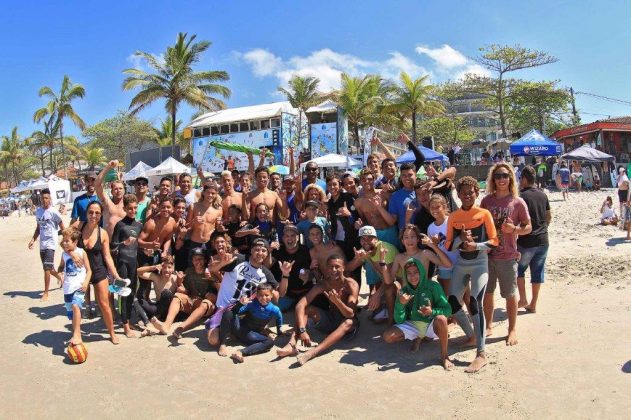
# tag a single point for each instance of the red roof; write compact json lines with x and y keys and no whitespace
{"x":612,"y":124}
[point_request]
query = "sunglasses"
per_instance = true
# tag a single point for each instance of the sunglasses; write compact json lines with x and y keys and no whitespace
{"x":501,"y":175}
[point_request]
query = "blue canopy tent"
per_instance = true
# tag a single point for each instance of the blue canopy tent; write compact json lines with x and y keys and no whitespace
{"x":534,"y":143}
{"x":427,"y":152}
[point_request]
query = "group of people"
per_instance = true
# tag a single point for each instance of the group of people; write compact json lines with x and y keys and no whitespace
{"x":249,"y":247}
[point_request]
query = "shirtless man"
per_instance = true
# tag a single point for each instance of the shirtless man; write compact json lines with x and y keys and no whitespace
{"x":165,"y":285}
{"x":320,"y":251}
{"x":113,"y":210}
{"x":202,"y":217}
{"x":186,"y":191}
{"x":338,"y":321}
{"x":231,"y":197}
{"x":371,"y":210}
{"x":276,"y":201}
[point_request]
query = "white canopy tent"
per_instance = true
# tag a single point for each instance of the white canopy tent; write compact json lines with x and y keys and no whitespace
{"x":325,"y":107}
{"x":169,"y":167}
{"x":333,"y":160}
{"x":140,"y":170}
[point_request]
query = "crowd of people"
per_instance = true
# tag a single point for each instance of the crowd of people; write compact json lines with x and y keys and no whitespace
{"x":242,"y":251}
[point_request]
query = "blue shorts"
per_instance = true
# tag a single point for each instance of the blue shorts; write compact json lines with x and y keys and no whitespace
{"x":75,"y":298}
{"x":535,"y":258}
{"x":444,"y":273}
{"x":390,"y":235}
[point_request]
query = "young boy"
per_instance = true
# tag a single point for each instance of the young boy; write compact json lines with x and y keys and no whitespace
{"x":75,"y":279}
{"x":124,"y":245}
{"x":311,"y":210}
{"x":48,"y":223}
{"x":421,"y":310}
{"x":250,"y":329}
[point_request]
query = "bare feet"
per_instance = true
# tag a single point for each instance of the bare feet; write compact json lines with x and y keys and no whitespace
{"x":129,"y":333}
{"x":158,"y":325}
{"x":146,"y":333}
{"x":489,"y":332}
{"x":44,"y":297}
{"x":416,"y":344}
{"x":467,"y":342}
{"x":447,"y":364}
{"x":222,"y":350}
{"x":511,"y":340}
{"x":522,"y":303}
{"x":177,"y":334}
{"x":114,"y":339}
{"x":288,"y":350}
{"x":478,"y":363}
{"x":304,"y":357}
{"x":531,"y":309}
{"x":237,"y":357}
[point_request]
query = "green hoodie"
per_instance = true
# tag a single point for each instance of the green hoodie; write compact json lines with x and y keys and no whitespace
{"x":426,"y":289}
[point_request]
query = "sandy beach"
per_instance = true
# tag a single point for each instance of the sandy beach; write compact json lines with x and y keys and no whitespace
{"x":573,"y":359}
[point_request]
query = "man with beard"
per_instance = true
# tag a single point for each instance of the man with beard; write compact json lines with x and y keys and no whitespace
{"x":311,"y":176}
{"x":113,"y":210}
{"x":370,"y":209}
{"x":293,"y":252}
{"x":276,"y":202}
{"x":186,"y":191}
{"x":274,"y":181}
{"x":401,"y":198}
{"x":81,"y":203}
{"x":339,"y":321}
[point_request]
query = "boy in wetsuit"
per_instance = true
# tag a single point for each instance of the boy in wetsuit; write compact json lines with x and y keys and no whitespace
{"x":124,"y":246}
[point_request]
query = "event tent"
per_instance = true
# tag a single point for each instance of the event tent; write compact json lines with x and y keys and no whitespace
{"x":333,"y":160}
{"x":588,"y":154}
{"x":533,"y":143}
{"x":139,"y":170}
{"x":169,"y":167}
{"x":429,"y":154}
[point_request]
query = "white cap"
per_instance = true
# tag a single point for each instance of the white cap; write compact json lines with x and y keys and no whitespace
{"x":367,"y":231}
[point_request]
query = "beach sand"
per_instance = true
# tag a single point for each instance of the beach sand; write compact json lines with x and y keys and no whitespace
{"x":573,"y":359}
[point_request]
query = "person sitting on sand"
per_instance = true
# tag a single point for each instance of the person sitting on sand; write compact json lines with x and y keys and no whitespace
{"x":164,"y":281}
{"x":421,"y":310}
{"x":608,"y":214}
{"x":337,"y":322}
{"x":250,"y":329}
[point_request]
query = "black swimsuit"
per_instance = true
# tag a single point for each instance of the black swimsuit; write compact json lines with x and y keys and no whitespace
{"x":95,"y":256}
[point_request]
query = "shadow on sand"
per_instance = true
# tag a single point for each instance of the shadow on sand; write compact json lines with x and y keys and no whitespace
{"x":626,"y":368}
{"x":616,"y":241}
{"x":23,"y":293}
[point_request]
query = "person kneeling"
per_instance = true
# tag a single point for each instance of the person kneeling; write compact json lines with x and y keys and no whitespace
{"x":338,"y":321}
{"x":420,"y":311}
{"x":250,"y":329}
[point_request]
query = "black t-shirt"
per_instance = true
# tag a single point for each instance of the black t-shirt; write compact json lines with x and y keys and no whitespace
{"x":196,"y":285}
{"x":538,"y":204}
{"x":423,"y":219}
{"x":295,"y":287}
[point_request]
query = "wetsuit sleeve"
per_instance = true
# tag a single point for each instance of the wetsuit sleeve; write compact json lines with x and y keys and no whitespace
{"x":440,"y":304}
{"x":115,"y":241}
{"x":278,"y":315}
{"x":419,"y":157}
{"x":242,"y":309}
{"x":491,"y":233}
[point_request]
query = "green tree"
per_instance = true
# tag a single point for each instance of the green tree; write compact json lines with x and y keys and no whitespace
{"x":94,"y":156}
{"x":164,"y":134}
{"x":302,"y":93}
{"x":537,"y":105}
{"x":413,"y":98}
{"x":500,"y":61}
{"x":13,"y":152}
{"x":60,"y":107}
{"x":361,"y":98}
{"x":121,"y":134}
{"x":447,"y":130}
{"x":46,"y":140}
{"x":175,"y":81}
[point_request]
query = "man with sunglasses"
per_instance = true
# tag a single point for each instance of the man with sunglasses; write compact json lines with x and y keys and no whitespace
{"x":311,"y":176}
{"x":141,"y":186}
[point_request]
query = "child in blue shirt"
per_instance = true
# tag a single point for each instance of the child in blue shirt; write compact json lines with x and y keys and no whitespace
{"x":311,"y":210}
{"x":250,"y":329}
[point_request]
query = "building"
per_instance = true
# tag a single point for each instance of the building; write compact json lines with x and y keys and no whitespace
{"x":480,"y":119}
{"x":611,"y":136}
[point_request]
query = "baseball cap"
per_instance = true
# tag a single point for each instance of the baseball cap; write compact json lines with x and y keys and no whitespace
{"x":288,"y":178}
{"x":291,"y":227}
{"x":198,"y":251}
{"x":312,"y":203}
{"x":91,"y":174}
{"x":260,"y":242}
{"x":621,"y":170}
{"x":367,"y":231}
{"x":141,"y":178}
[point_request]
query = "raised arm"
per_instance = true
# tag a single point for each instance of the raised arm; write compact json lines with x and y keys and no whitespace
{"x":98,"y":184}
{"x":385,"y":148}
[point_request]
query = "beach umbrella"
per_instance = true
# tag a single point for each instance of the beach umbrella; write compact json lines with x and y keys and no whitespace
{"x":589,"y":154}
{"x":279,"y":169}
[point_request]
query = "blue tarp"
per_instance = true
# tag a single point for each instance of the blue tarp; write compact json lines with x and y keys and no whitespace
{"x":429,"y":155}
{"x":534,"y":143}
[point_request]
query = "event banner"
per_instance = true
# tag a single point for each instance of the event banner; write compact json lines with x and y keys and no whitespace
{"x":214,"y":160}
{"x":323,"y":139}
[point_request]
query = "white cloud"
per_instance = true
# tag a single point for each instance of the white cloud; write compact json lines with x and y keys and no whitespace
{"x":263,"y":62}
{"x":399,"y":62}
{"x":472,"y":68}
{"x":445,"y":56}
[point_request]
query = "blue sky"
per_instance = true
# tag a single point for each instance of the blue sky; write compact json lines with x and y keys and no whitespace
{"x":262,"y":43}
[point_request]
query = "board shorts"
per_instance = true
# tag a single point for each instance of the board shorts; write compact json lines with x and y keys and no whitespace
{"x":414,"y":329}
{"x":565,"y":186}
{"x":331,"y":320}
{"x":190,"y":303}
{"x":48,"y":258}
{"x":503,"y":272}
{"x":75,"y":298}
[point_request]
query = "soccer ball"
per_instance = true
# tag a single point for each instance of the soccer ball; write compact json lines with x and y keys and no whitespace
{"x":77,"y":353}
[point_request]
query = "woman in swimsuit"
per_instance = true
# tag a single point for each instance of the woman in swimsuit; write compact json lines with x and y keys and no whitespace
{"x":96,"y":243}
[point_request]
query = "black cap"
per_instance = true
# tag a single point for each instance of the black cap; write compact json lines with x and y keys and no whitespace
{"x":291,"y":227}
{"x":260,"y":242}
{"x":198,"y":251}
{"x":312,"y":203}
{"x":141,"y":178}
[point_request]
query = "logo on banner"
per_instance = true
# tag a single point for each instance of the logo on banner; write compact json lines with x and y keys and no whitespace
{"x":60,"y":194}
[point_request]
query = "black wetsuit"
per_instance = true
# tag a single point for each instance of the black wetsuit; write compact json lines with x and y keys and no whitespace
{"x":126,"y":258}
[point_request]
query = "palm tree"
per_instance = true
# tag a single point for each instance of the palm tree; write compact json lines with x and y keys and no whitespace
{"x":76,"y":149}
{"x":360,"y":97}
{"x":94,"y":156}
{"x":164,"y":133}
{"x":302,"y":94}
{"x":176,"y":82}
{"x":13,"y":151}
{"x":413,"y":97}
{"x":60,"y":107}
{"x":46,"y":140}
